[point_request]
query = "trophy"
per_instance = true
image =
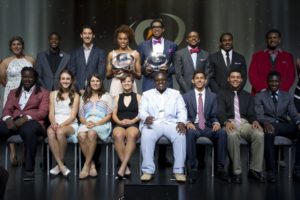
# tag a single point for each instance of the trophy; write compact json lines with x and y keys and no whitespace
{"x":122,"y":63}
{"x":156,"y":61}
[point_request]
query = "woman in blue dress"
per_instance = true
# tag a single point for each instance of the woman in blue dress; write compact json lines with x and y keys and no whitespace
{"x":94,"y":115}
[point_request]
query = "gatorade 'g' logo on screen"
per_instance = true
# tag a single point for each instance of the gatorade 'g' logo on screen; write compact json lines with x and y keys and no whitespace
{"x":143,"y":31}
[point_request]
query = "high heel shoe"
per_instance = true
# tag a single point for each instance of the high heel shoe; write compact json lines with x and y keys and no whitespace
{"x":83,"y":174}
{"x":93,"y":172}
{"x":127,"y":176}
{"x":119,"y":177}
{"x":65,"y":171}
{"x":55,"y":170}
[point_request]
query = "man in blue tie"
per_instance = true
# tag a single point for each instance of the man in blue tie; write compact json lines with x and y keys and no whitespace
{"x":202,"y":122}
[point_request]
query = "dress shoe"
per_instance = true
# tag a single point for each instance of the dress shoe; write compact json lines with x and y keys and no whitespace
{"x":65,"y":171}
{"x":55,"y":170}
{"x":180,"y":177}
{"x":222,"y":175}
{"x":258,"y":176}
{"x":271,"y":177}
{"x":146,"y":177}
{"x":164,"y":163}
{"x":236,"y":178}
{"x":29,"y":176}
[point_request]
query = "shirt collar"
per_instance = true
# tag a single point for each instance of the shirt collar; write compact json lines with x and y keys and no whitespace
{"x":197,"y":92}
{"x":30,"y":91}
{"x":88,"y":48}
{"x":157,"y":92}
{"x":224,"y":52}
{"x":278,"y":49}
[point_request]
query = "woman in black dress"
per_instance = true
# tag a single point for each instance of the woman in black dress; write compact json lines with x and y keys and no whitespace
{"x":125,"y":116}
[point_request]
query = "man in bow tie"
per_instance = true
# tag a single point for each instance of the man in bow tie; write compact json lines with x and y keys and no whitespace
{"x":272,"y":58}
{"x":223,"y":61}
{"x":188,"y":60}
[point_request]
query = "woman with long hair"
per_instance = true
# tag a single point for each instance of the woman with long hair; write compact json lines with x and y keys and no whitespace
{"x":126,"y":132}
{"x":94,"y":114}
{"x":63,"y":110}
{"x":122,"y":60}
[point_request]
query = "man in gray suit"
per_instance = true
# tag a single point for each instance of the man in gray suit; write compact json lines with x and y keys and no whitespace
{"x":51,"y":62}
{"x":223,"y":61}
{"x":188,"y":60}
{"x":273,"y":107}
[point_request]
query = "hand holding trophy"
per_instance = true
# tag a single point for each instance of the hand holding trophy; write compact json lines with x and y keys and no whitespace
{"x":122,"y":63}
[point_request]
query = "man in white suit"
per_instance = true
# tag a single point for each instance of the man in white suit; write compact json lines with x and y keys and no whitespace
{"x":162,"y":113}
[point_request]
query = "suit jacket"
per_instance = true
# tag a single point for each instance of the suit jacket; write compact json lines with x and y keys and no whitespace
{"x":219,"y":71}
{"x":37,"y":106}
{"x":266,"y":111}
{"x":184,"y":67}
{"x":46,"y":77}
{"x":82,"y":70}
{"x":145,"y":50}
{"x":261,"y":65}
{"x":175,"y":110}
{"x":210,"y":107}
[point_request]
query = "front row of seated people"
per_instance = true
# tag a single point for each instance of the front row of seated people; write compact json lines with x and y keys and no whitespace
{"x":225,"y":119}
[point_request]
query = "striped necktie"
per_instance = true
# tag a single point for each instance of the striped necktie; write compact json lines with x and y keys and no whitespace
{"x":237,"y":116}
{"x":201,"y":118}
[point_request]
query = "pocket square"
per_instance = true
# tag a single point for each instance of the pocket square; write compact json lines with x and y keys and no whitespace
{"x":202,"y":60}
{"x":237,"y":63}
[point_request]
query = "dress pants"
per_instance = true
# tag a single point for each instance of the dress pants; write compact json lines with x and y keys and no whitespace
{"x":281,"y":129}
{"x":149,"y":137}
{"x":256,"y":139}
{"x":29,"y":133}
{"x":219,"y":139}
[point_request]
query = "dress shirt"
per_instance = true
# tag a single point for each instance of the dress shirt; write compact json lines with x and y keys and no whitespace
{"x":158,"y":48}
{"x":197,"y":102}
{"x":194,"y":57}
{"x":224,"y":55}
{"x":226,"y":106}
{"x":87,"y":52}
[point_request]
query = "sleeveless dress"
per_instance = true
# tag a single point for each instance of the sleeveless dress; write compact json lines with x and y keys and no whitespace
{"x":13,"y":75}
{"x":62,"y":111}
{"x":116,"y":86}
{"x":95,"y":111}
{"x":129,"y":112}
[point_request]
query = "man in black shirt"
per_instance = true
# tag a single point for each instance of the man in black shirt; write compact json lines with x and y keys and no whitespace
{"x":236,"y":112}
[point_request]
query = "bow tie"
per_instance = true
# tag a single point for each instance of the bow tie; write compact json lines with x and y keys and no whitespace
{"x":156,"y":41}
{"x":194,"y":50}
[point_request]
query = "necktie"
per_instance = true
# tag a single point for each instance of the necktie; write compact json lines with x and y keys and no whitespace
{"x":274,"y":98}
{"x":227,"y":59}
{"x":158,"y":41}
{"x":201,"y":119}
{"x":194,"y":50}
{"x":237,"y":116}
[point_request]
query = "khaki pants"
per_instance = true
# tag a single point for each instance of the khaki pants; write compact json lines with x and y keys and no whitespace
{"x":256,"y":139}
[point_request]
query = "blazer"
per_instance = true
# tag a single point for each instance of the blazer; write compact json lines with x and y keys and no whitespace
{"x":82,"y":70}
{"x":46,"y":77}
{"x":145,"y":50}
{"x":184,"y":67}
{"x":210,"y":107}
{"x":266,"y":111}
{"x":219,"y":71}
{"x":175,"y":110}
{"x":37,"y":106}
{"x":261,"y":65}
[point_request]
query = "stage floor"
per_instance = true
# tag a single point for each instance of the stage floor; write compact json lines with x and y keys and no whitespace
{"x":107,"y":188}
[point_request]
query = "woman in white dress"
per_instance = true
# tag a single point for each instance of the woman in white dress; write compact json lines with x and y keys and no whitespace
{"x":10,"y":75}
{"x":122,"y":60}
{"x":63,"y":110}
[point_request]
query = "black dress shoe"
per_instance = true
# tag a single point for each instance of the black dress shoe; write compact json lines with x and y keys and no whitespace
{"x":236,"y":178}
{"x":258,"y":176}
{"x":222,"y":175}
{"x":271,"y":177}
{"x":29,"y":176}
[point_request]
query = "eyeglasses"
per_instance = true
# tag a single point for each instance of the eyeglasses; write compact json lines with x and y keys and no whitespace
{"x":156,"y":27}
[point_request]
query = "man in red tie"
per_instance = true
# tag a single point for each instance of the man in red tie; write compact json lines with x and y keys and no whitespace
{"x":201,"y":106}
{"x":271,"y":59}
{"x":188,"y":60}
{"x":223,"y":61}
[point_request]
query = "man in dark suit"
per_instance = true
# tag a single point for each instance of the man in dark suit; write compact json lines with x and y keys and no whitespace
{"x":223,"y":61}
{"x":202,"y":122}
{"x":51,"y":62}
{"x":188,"y":60}
{"x":24,"y":114}
{"x":273,"y":107}
{"x":157,"y":45}
{"x":87,"y":59}
{"x":236,"y":112}
{"x":272,"y":58}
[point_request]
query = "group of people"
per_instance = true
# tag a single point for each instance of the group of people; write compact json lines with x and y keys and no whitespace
{"x":64,"y":96}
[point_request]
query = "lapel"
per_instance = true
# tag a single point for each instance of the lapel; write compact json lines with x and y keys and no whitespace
{"x":194,"y":101}
{"x":149,"y":47}
{"x":189,"y":57}
{"x":91,"y":56}
{"x":206,"y":103}
{"x":61,"y":64}
{"x":221,"y":61}
{"x":166,"y":47}
{"x":46,"y":63}
{"x":31,"y":98}
{"x":81,"y":56}
{"x":270,"y":101}
{"x":199,"y":57}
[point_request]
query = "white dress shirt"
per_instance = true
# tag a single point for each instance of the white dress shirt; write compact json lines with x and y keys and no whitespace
{"x":224,"y":55}
{"x":87,"y":52}
{"x":194,"y":57}
{"x":158,"y":48}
